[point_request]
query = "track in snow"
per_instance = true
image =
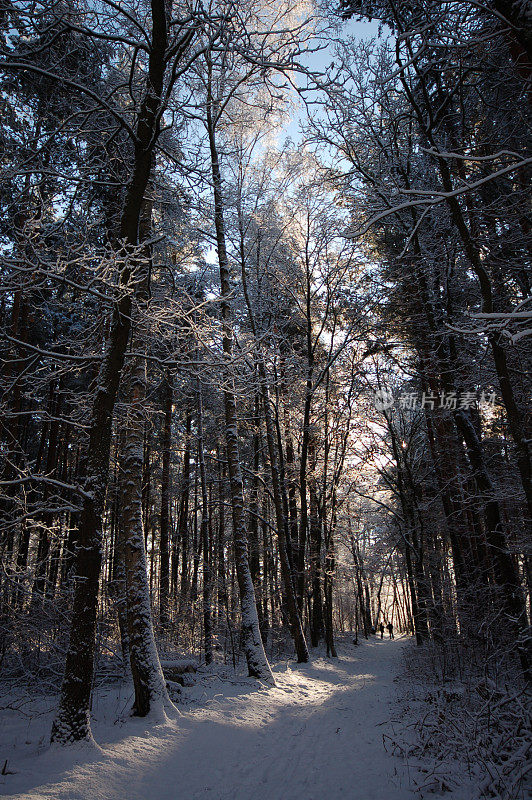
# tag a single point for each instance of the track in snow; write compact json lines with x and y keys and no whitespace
{"x":317,"y":735}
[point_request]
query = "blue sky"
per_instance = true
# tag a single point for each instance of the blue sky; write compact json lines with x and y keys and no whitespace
{"x":321,"y":60}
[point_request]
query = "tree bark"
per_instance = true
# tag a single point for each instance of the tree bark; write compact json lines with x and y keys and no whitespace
{"x":148,"y":680}
{"x":257,"y":662}
{"x":205,"y":527}
{"x":72,"y":721}
{"x":164,"y":575}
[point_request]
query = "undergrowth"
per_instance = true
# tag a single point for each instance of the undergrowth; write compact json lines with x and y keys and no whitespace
{"x":464,"y":725}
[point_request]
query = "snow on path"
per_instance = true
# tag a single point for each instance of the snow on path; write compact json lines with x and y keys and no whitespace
{"x":317,"y":735}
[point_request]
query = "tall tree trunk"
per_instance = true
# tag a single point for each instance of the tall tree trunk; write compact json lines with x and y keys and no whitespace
{"x":315,"y":545}
{"x":183,"y":531}
{"x":291,"y":472}
{"x":164,"y":574}
{"x":281,"y":518}
{"x":330,"y":566}
{"x":283,"y":533}
{"x":148,"y":680}
{"x":257,"y":662}
{"x":303,"y":520}
{"x":254,"y":549}
{"x":205,"y":527}
{"x":72,"y":720}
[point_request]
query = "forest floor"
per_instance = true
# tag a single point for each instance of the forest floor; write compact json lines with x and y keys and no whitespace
{"x":317,"y":735}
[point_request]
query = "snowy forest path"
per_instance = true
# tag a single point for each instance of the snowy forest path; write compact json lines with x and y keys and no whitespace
{"x":318,"y":734}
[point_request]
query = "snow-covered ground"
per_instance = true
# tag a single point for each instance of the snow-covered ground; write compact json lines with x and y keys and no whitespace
{"x":317,"y":735}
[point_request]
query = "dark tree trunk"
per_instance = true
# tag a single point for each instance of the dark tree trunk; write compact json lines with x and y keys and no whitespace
{"x":205,"y":528}
{"x":315,"y":546}
{"x":72,"y":721}
{"x":257,"y":662}
{"x":183,"y":531}
{"x":164,"y":575}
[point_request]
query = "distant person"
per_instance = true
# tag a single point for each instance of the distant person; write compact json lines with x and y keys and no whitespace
{"x":390,"y":629}
{"x":381,"y":628}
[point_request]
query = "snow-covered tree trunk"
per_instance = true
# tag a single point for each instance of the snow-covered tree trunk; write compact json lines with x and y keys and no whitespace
{"x":305,"y":439}
{"x":164,"y":541}
{"x":257,"y":662}
{"x":330,"y":566}
{"x":283,"y":532}
{"x":315,"y":547}
{"x":150,"y":688}
{"x":281,"y":507}
{"x":72,"y":721}
{"x":116,"y":586}
{"x":205,"y":526}
{"x":253,"y":534}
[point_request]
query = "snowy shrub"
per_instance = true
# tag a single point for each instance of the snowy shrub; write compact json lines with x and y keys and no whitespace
{"x":467,"y":732}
